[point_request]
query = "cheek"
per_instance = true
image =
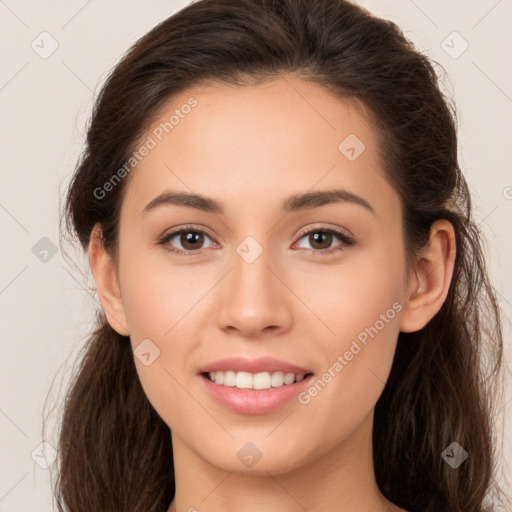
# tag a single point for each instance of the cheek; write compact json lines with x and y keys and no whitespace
{"x":364,"y":326}
{"x":156,"y":294}
{"x":163,"y":304}
{"x":360,"y":305}
{"x":353,"y":294}
{"x":157,"y":306}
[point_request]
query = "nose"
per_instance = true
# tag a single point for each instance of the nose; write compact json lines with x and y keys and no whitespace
{"x":253,"y":299}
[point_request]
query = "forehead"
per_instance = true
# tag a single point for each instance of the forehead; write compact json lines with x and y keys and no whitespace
{"x":248,"y":144}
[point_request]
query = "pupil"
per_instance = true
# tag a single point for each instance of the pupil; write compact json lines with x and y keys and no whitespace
{"x":319,"y":235}
{"x":191,"y":238}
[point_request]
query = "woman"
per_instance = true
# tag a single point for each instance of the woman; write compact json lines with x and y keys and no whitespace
{"x":295,"y":303}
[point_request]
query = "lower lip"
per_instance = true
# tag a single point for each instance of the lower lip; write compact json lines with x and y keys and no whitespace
{"x":254,"y":401}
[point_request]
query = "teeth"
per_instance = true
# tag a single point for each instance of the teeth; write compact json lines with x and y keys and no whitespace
{"x":263,"y":380}
{"x":243,"y":380}
{"x":229,"y":378}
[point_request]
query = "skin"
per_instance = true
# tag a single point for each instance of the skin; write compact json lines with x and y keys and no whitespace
{"x":250,"y":148}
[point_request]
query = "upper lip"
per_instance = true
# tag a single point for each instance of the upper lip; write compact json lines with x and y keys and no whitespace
{"x":261,"y":364}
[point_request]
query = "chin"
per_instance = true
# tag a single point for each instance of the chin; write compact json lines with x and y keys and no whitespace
{"x":255,"y":461}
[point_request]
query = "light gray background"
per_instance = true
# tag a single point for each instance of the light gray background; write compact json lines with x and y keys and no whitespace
{"x":44,"y":104}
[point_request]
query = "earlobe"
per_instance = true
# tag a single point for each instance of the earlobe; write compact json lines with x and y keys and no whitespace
{"x":103,"y":270}
{"x":433,"y":274}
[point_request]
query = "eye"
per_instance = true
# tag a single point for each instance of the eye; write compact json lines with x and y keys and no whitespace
{"x":320,"y":240}
{"x":192,"y":240}
{"x":189,"y":238}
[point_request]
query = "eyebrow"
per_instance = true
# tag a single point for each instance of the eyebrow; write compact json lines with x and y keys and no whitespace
{"x":297,"y":202}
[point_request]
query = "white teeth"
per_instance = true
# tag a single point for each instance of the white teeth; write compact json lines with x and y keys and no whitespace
{"x":243,"y":380}
{"x":277,"y":379}
{"x":262,"y":380}
{"x":289,"y":378}
{"x":229,"y":378}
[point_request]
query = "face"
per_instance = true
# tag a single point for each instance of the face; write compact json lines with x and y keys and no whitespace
{"x":317,"y":284}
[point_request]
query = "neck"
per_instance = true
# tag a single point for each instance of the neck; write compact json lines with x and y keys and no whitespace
{"x":338,"y":480}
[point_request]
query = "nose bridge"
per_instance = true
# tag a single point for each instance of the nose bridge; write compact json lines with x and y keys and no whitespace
{"x":251,"y":277}
{"x":251,"y":265}
{"x":252,"y":297}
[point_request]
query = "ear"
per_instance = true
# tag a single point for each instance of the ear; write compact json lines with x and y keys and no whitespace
{"x":103,"y":269}
{"x":433,"y":274}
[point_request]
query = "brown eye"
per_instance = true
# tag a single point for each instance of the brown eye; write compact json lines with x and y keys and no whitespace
{"x":191,"y":240}
{"x":320,"y":240}
{"x":188,"y":241}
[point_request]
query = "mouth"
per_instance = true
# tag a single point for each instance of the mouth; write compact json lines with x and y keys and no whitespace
{"x":253,"y":394}
{"x":253,"y":386}
{"x":255,"y":381}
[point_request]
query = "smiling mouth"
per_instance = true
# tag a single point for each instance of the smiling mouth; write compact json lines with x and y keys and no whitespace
{"x":254,"y":381}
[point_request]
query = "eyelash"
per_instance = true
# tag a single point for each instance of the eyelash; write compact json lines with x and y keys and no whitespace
{"x":341,"y":235}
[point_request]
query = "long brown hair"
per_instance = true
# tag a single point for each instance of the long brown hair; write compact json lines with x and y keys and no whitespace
{"x":114,"y":450}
